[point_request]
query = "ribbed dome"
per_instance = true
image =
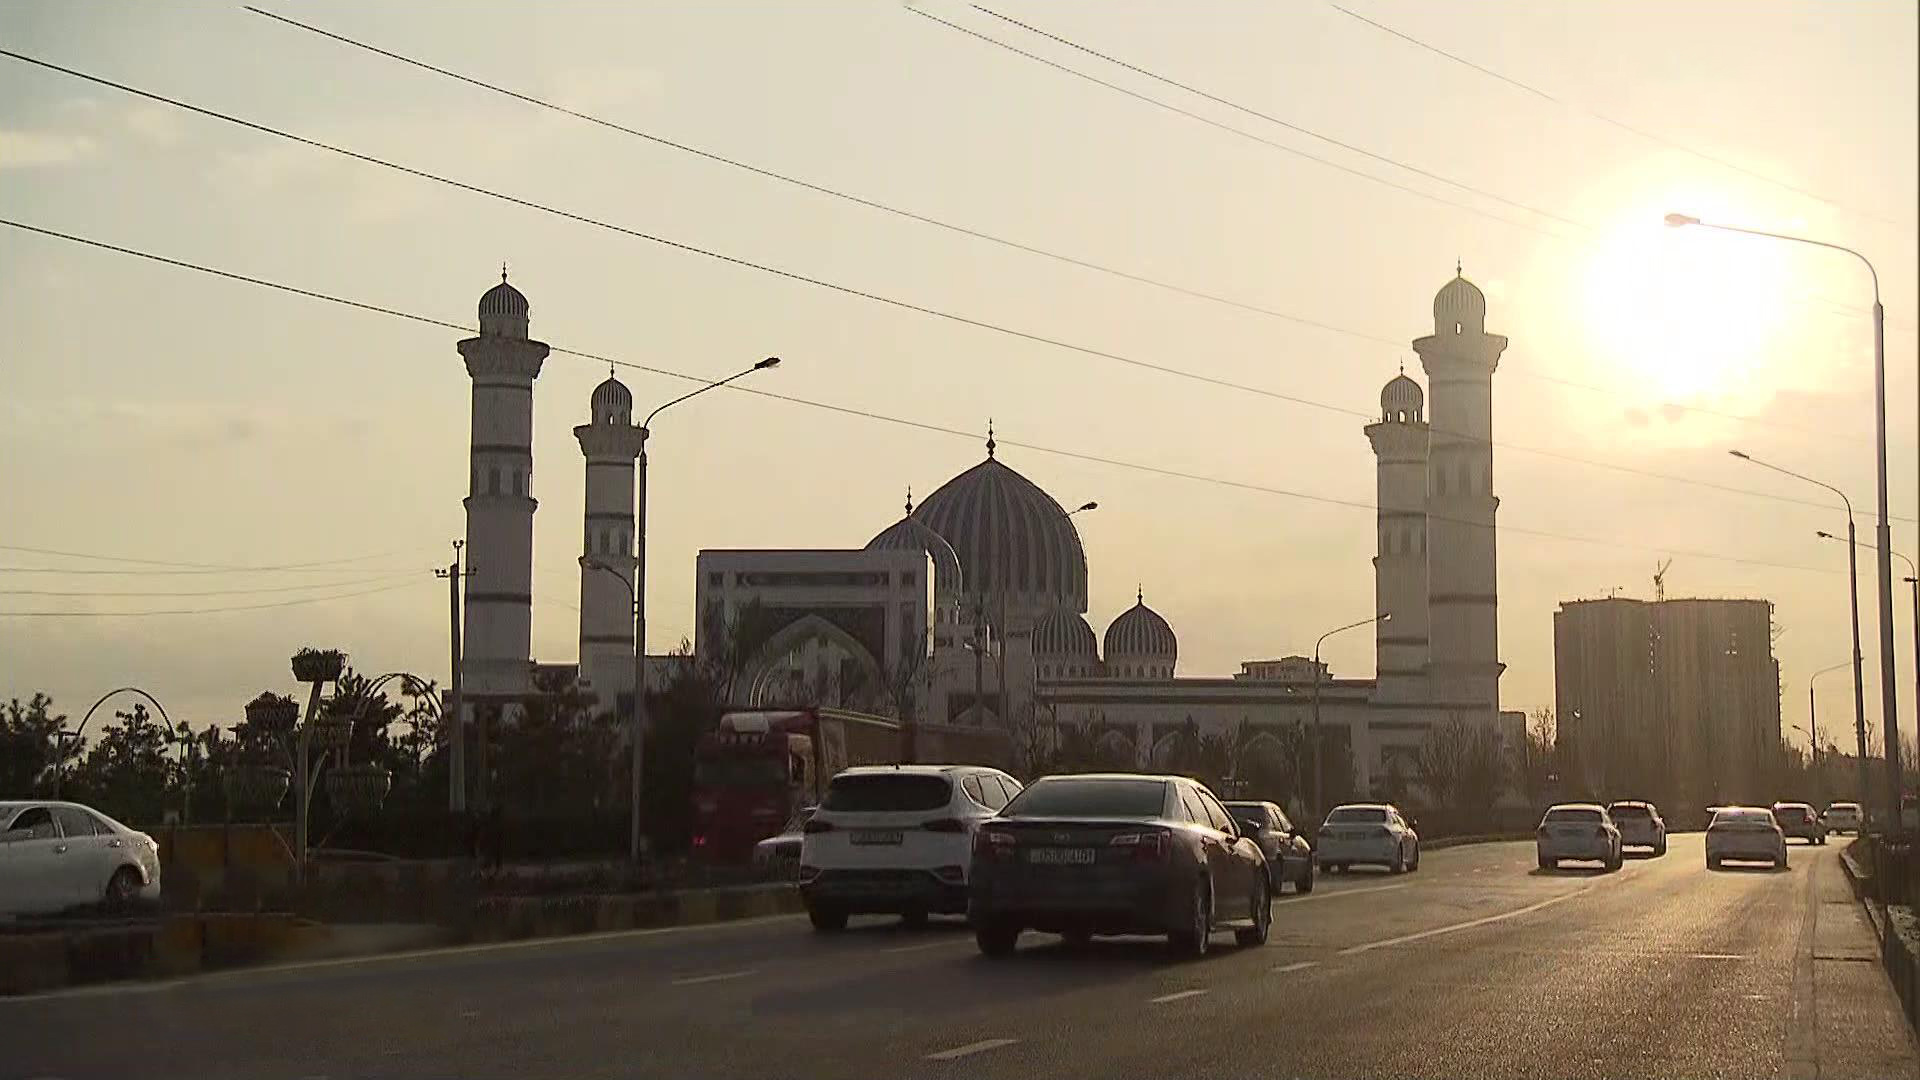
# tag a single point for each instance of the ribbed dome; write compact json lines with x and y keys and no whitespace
{"x":912,"y":534}
{"x":1141,"y":634}
{"x":503,"y":311}
{"x":1013,"y":540}
{"x":1459,"y":303}
{"x":612,"y":402}
{"x":1401,"y":399}
{"x":1064,"y":635}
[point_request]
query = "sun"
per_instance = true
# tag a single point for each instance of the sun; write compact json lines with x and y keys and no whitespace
{"x":1689,"y":315}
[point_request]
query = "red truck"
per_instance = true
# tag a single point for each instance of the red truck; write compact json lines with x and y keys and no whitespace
{"x":756,"y":768}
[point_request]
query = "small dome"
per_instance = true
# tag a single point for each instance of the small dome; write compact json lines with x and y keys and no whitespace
{"x":503,"y":310}
{"x":612,"y":402}
{"x":912,"y":534}
{"x":1140,"y":634}
{"x":1064,"y":635}
{"x":1459,"y":303}
{"x":1401,"y":399}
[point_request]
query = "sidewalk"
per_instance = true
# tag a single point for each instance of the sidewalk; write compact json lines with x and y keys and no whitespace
{"x":1858,"y":1028}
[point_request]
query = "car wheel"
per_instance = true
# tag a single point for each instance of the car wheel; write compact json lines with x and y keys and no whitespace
{"x":1416,"y":856}
{"x":1548,"y":864}
{"x":123,"y":888}
{"x":996,"y":938}
{"x":1399,"y":863}
{"x":827,"y":919}
{"x":1713,"y":863}
{"x":1190,"y":941}
{"x":1305,"y":884}
{"x":1256,"y":935}
{"x":1615,"y":861}
{"x":1660,"y":848}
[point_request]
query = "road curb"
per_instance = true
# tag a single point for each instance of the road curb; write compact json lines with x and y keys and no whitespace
{"x":1896,"y":957}
{"x":1445,"y":842}
{"x":516,"y":918}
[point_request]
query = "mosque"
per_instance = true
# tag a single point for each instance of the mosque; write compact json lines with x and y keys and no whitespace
{"x":970,"y":610}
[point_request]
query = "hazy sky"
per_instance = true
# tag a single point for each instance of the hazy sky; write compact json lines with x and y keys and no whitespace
{"x":153,"y":413}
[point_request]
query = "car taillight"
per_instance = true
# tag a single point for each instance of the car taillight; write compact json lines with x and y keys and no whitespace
{"x":815,"y":825}
{"x":945,"y":824}
{"x":699,"y":840}
{"x":1147,"y":846}
{"x":993,"y":844}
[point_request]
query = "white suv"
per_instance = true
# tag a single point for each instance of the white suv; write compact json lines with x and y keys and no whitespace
{"x":896,"y":840}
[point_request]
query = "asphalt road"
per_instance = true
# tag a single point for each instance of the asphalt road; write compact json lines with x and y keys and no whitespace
{"x":1479,"y":965}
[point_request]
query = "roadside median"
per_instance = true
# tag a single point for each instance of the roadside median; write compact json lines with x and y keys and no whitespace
{"x":512,"y":918}
{"x":1894,"y":925}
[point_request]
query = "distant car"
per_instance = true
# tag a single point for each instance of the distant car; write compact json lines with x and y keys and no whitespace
{"x":1640,"y":825}
{"x":1843,"y":817}
{"x":1374,"y":834}
{"x":1289,"y":857}
{"x":60,"y":855}
{"x":1577,"y":831}
{"x":778,"y":856}
{"x":1801,"y":820}
{"x":895,"y":840}
{"x":1745,"y":834}
{"x":1117,"y":853}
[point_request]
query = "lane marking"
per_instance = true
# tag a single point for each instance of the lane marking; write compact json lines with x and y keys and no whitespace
{"x":241,"y":974}
{"x":1317,"y":895}
{"x":696,"y":980}
{"x":1469,"y":924}
{"x":1175,"y":996}
{"x":1300,"y":965}
{"x":1716,"y":956}
{"x":971,"y":1048}
{"x":950,"y":942}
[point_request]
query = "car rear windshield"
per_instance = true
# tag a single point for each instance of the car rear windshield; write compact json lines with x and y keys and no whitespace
{"x":881,"y":792}
{"x":1629,"y":811}
{"x":1742,"y":817}
{"x":1069,"y":797}
{"x":1573,"y":816}
{"x":1357,"y":815}
{"x":1792,"y":813}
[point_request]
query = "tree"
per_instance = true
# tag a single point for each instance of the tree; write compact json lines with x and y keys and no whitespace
{"x":29,"y":741}
{"x":1440,"y":763}
{"x":127,"y":774}
{"x":1537,"y":755}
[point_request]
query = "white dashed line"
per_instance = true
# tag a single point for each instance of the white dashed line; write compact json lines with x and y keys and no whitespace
{"x":1175,"y":996}
{"x":1469,"y":924}
{"x":1337,"y":893}
{"x":1300,"y":965}
{"x":1716,"y":956}
{"x":696,"y":980}
{"x":971,"y":1048}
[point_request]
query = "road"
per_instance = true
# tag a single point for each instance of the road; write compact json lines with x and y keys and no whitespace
{"x":1479,"y":965}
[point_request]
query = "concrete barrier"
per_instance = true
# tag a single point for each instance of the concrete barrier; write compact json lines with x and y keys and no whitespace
{"x":1897,"y":956}
{"x":1444,"y":842}
{"x":512,"y":918}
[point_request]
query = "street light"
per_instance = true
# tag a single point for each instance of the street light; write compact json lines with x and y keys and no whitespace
{"x":1319,"y":810}
{"x":1813,"y":720}
{"x":1912,"y":579}
{"x":1883,"y":535}
{"x":1853,"y":600}
{"x":638,"y":587}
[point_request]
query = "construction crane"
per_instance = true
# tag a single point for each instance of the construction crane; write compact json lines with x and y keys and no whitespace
{"x":1660,"y":582}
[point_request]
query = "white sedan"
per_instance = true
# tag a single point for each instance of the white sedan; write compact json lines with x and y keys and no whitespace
{"x":1745,"y":834}
{"x":60,"y":855}
{"x":1579,"y":831}
{"x":1367,"y":833}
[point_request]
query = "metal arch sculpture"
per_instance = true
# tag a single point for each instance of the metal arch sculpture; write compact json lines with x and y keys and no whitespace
{"x":59,"y":754}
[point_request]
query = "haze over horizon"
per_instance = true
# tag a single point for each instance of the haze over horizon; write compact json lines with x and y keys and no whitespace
{"x":152,"y":413}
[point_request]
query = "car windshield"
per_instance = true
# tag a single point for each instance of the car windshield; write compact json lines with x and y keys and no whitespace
{"x":1357,"y":815}
{"x":1628,"y":810}
{"x":1743,"y":817}
{"x":1573,"y":815}
{"x":887,"y":792}
{"x":1090,"y":798}
{"x":1792,"y":813}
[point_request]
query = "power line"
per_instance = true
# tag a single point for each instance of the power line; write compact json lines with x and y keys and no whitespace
{"x":1288,"y":124}
{"x":921,"y":425}
{"x":204,"y":610}
{"x":1072,"y":260}
{"x":195,"y":566}
{"x":905,"y":305}
{"x":1605,"y":119}
{"x":309,"y":586}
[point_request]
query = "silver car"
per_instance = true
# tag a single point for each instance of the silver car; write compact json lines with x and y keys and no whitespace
{"x":1640,"y":825}
{"x":1578,"y":831}
{"x":60,"y":855}
{"x":1745,"y":834}
{"x":778,"y":856}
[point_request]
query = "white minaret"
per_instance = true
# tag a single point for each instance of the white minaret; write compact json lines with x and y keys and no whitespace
{"x":1399,"y":440}
{"x":610,"y":443}
{"x":1463,"y":605}
{"x":498,"y":650}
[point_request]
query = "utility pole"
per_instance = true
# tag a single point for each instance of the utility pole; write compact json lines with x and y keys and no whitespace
{"x":451,"y":713}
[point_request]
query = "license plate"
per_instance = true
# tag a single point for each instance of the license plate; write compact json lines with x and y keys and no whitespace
{"x":1061,"y":856}
{"x":876,"y":836}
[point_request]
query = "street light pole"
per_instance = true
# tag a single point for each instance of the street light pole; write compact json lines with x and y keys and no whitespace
{"x":637,"y":727}
{"x":1883,"y":535}
{"x":1912,"y":579}
{"x":1319,"y":810}
{"x":1813,"y":721}
{"x":1853,"y":601}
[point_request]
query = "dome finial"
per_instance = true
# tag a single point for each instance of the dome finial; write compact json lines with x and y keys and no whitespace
{"x":990,"y":442}
{"x":1139,"y":594}
{"x":1457,"y":272}
{"x":503,"y":271}
{"x":909,"y":500}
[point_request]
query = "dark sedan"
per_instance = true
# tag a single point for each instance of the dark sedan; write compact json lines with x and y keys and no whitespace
{"x":1116,"y":853}
{"x":1289,"y":856}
